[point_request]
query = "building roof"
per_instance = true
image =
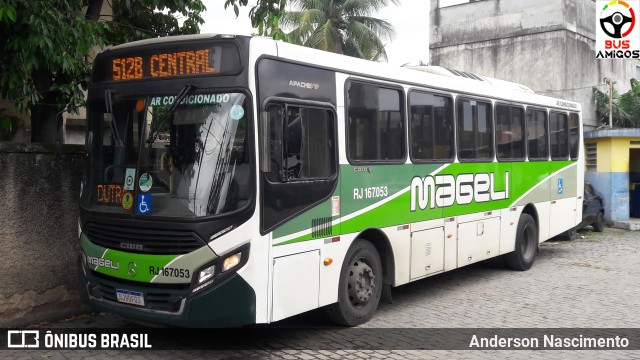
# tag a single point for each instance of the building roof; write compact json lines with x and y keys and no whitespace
{"x":611,"y":133}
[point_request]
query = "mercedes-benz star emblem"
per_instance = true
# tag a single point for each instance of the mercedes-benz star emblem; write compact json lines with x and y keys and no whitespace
{"x":133,"y":269}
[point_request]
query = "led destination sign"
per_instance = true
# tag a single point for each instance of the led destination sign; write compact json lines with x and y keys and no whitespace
{"x":167,"y":61}
{"x":167,"y":64}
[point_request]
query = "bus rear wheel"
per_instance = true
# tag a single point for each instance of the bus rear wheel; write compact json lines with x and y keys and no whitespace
{"x":360,"y":286}
{"x":526,"y":245}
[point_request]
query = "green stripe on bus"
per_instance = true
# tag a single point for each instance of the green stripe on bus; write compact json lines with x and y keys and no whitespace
{"x":523,"y":177}
{"x":119,"y":262}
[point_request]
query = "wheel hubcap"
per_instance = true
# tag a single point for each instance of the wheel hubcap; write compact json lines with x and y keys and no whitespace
{"x":361,"y":283}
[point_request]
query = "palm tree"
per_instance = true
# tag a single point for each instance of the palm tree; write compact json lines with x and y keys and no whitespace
{"x":625,"y":109}
{"x":340,"y":26}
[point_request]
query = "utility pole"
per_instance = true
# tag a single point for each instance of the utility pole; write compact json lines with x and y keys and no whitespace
{"x":610,"y":105}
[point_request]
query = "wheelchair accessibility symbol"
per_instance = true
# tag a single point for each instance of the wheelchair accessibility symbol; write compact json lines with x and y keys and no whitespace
{"x":143,"y":205}
{"x":560,"y":186}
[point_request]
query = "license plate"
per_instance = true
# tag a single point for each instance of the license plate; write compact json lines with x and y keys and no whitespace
{"x":130,"y":297}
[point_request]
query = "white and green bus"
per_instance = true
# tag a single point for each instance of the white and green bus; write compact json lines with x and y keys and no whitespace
{"x":233,"y":180}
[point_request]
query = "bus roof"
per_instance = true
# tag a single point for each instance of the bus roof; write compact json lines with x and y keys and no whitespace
{"x":428,"y":76}
{"x":170,"y":39}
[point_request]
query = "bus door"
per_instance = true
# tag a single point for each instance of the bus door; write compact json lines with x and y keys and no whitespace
{"x":563,"y":182}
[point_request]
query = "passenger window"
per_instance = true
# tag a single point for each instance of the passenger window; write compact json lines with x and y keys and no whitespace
{"x":431,"y":122}
{"x":558,"y":128}
{"x":475,"y":130}
{"x":375,"y":124}
{"x":509,"y":132}
{"x":574,"y":135}
{"x":301,"y":143}
{"x":537,"y":130}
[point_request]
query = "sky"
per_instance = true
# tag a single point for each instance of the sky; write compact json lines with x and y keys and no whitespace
{"x":410,"y":20}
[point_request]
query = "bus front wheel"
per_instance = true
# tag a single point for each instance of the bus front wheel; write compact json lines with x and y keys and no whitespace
{"x":526,"y":244}
{"x":360,"y":285}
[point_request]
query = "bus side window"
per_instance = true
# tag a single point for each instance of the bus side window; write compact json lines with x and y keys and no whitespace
{"x":475,"y":130}
{"x":558,"y":128}
{"x":431,"y":124}
{"x":301,"y":143}
{"x":510,"y":132}
{"x":537,"y":135}
{"x":375,"y":124}
{"x":574,"y":135}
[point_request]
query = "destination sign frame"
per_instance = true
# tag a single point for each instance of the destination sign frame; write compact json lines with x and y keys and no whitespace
{"x":168,"y":61}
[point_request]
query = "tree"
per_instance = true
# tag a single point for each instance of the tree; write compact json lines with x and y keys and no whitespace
{"x":46,"y":45}
{"x":143,"y":19}
{"x":340,"y":26}
{"x":43,"y":49}
{"x":265,"y":15}
{"x":625,"y":108}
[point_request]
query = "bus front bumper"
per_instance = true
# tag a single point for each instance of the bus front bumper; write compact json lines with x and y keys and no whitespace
{"x":230,"y":303}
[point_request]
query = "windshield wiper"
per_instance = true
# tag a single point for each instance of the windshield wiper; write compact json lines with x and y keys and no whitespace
{"x":156,"y":125}
{"x":108,"y":102}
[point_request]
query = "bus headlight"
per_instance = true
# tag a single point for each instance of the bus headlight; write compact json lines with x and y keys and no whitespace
{"x":206,"y":274}
{"x":221,"y":268}
{"x":231,"y":262}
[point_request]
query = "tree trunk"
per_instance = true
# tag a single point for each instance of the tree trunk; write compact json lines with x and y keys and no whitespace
{"x":44,"y":124}
{"x":93,"y":10}
{"x":43,"y":113}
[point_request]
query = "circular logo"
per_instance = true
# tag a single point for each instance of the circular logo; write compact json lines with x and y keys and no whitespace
{"x":127,"y":200}
{"x":133,"y":269}
{"x":129,"y":180}
{"x":145,"y":182}
{"x":236,"y":112}
{"x":614,"y":18}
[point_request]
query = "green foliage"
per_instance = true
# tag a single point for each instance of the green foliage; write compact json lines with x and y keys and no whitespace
{"x":340,"y":26}
{"x":46,"y":45}
{"x":8,"y":13}
{"x":5,"y":124}
{"x":6,"y":127}
{"x":45,"y":34}
{"x":625,"y":107}
{"x":265,"y":16}
{"x":143,"y":19}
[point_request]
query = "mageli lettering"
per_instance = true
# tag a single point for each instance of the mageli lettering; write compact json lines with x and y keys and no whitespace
{"x":446,"y":190}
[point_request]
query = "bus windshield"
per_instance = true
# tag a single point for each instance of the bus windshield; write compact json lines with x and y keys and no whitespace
{"x":189,"y":162}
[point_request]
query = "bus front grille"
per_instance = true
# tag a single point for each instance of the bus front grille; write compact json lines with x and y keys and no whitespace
{"x":154,"y":299}
{"x":143,"y":240}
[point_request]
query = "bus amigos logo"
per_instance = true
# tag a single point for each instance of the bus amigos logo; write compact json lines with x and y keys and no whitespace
{"x":445,"y":190}
{"x":617,"y":33}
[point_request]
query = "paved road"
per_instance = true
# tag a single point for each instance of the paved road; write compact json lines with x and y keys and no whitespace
{"x":592,"y":282}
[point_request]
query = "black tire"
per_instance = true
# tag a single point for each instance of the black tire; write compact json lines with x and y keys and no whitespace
{"x":526,"y":245}
{"x":360,"y":286}
{"x":81,"y":282}
{"x":570,"y":234}
{"x":598,"y":225}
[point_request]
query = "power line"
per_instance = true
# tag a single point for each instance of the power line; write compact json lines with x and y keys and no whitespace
{"x":561,"y":90}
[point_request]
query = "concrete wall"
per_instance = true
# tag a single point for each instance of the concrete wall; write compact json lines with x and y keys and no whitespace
{"x":547,"y":45}
{"x":38,"y":234}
